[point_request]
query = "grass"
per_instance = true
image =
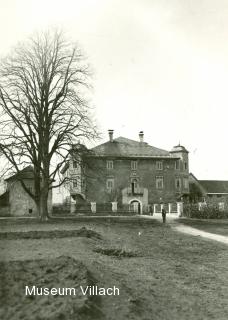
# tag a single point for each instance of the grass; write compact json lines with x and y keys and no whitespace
{"x":213,"y":226}
{"x":173,"y":276}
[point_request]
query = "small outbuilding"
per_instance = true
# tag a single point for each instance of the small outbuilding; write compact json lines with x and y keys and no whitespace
{"x":16,"y":199}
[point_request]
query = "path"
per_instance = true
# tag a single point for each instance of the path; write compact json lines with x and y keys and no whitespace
{"x":203,"y":234}
{"x":189,"y":230}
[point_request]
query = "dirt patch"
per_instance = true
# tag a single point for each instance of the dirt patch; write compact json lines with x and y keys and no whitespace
{"x":119,"y":253}
{"x":62,"y":272}
{"x":176,"y":277}
{"x":44,"y":234}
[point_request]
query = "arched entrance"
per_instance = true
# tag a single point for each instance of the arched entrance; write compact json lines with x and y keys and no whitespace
{"x":136,"y":205}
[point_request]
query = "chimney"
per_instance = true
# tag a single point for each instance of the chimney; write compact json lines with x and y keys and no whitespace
{"x":110,"y":133}
{"x":141,"y":136}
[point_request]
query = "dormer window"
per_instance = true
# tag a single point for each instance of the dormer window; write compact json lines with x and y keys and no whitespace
{"x":109,"y":164}
{"x":134,"y":165}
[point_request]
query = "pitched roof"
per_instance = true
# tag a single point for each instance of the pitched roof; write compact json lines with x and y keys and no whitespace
{"x":124,"y":147}
{"x":26,"y":173}
{"x":192,"y":177}
{"x":214,"y":186}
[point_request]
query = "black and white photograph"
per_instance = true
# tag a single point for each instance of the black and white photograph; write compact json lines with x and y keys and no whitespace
{"x":114,"y":160}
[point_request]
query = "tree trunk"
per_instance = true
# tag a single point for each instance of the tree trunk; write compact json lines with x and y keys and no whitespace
{"x":44,"y":190}
{"x":42,"y":206}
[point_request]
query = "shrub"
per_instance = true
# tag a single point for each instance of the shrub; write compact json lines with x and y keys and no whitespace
{"x":207,"y":211}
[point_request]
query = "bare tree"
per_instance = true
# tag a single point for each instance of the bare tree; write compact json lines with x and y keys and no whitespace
{"x":43,"y":86}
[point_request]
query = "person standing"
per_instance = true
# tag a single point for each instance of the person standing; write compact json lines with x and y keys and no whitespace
{"x":163,"y":215}
{"x":151,"y":210}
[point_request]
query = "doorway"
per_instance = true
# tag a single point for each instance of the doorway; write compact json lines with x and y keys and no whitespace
{"x":136,"y":206}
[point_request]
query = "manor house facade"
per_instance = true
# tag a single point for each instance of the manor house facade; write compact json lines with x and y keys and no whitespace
{"x":128,"y":172}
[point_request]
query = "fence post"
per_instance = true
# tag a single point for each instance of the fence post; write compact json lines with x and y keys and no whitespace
{"x":155,"y":208}
{"x":170,"y":207}
{"x":179,"y":208}
{"x":114,"y":206}
{"x":72,"y":205}
{"x":93,"y":207}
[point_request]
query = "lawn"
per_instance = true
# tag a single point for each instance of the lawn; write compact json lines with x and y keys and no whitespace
{"x":161,"y":274}
{"x":212,"y":226}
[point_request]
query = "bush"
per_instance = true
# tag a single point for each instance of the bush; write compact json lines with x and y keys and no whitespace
{"x":208,"y":211}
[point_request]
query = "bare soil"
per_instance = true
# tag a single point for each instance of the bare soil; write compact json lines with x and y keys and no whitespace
{"x":44,"y":234}
{"x":171,"y":276}
{"x":55,"y":273}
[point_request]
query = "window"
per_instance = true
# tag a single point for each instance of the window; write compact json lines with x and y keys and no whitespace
{"x":75,"y":183}
{"x":159,"y":165}
{"x":178,"y":183}
{"x":159,"y":182}
{"x":134,"y":185}
{"x":109,"y":164}
{"x":75,"y":164}
{"x":110,"y":184}
{"x":186,"y":183}
{"x":185,"y":166}
{"x":134,"y":165}
{"x":177,"y":164}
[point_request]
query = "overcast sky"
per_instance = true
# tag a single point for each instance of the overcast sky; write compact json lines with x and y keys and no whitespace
{"x":160,"y":66}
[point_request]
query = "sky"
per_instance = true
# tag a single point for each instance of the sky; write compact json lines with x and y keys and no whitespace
{"x":160,"y":66}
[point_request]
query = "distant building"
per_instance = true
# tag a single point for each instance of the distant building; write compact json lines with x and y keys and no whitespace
{"x":61,"y":194}
{"x":16,"y":199}
{"x":128,"y":172}
{"x":210,"y":191}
